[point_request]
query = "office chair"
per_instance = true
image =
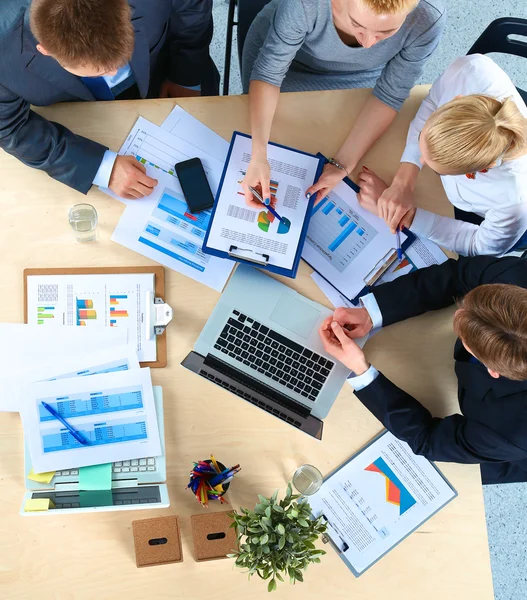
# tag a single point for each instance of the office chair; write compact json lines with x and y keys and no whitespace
{"x":496,"y":39}
{"x":247,"y":11}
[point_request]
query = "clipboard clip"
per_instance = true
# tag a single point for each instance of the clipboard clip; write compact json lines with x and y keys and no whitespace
{"x":250,"y":255}
{"x":158,"y":315}
{"x":380,"y":268}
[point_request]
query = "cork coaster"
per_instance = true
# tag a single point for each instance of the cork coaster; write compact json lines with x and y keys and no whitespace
{"x":213,"y":536}
{"x":157,"y":541}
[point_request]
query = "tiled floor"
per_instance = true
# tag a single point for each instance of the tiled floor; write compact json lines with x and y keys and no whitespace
{"x":506,"y":505}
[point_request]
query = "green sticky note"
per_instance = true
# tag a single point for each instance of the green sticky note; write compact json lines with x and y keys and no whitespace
{"x":97,"y":477}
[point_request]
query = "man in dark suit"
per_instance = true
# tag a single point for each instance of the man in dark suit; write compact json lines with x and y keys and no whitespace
{"x":69,"y":50}
{"x":490,"y":354}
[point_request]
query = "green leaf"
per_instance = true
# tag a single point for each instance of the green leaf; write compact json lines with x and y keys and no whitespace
{"x":268,"y":512}
{"x":266,"y":549}
{"x":299,"y":576}
{"x":303,"y":523}
{"x":281,"y":542}
{"x":264,"y":539}
{"x":278,"y":576}
{"x":232,"y":555}
{"x":280,"y":529}
{"x":267,"y":522}
{"x":277,"y":508}
{"x":271,"y":586}
{"x":274,"y":497}
{"x":263,"y":500}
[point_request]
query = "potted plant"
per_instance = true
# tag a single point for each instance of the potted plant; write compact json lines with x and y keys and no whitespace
{"x":277,"y":539}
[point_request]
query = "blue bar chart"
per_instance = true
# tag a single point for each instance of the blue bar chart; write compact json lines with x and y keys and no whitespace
{"x":341,"y":234}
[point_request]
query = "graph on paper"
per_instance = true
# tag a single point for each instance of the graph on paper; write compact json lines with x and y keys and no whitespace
{"x":341,"y":234}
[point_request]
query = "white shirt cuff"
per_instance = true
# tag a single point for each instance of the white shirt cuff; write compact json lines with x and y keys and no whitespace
{"x":412,"y":154}
{"x":102,"y":177}
{"x":423,"y":223}
{"x":359,"y":382}
{"x":370,"y":304}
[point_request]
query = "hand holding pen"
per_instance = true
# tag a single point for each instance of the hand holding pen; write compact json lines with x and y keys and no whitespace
{"x":266,"y":203}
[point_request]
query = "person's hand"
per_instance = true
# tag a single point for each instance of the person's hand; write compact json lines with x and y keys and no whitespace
{"x":355,"y":322}
{"x":169,"y":89}
{"x":394,"y":204}
{"x":371,"y":189}
{"x":258,"y":176}
{"x":331,"y":176}
{"x":339,"y":345}
{"x":129,"y":179}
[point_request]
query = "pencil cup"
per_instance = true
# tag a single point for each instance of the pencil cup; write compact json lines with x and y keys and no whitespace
{"x":222,"y":467}
{"x":210,"y":480}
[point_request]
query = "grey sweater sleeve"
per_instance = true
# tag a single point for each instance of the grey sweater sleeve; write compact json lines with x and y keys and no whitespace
{"x":287,"y":32}
{"x":402,"y":71}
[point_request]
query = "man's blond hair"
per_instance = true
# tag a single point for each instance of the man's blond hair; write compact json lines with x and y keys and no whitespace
{"x":471,"y":133}
{"x":389,"y":7}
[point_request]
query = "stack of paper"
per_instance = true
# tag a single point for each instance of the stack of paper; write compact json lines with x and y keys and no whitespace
{"x":160,"y":226}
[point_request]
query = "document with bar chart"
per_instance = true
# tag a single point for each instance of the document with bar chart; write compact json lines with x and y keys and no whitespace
{"x":345,"y":242}
{"x":377,"y":499}
{"x":116,"y":300}
{"x":114,"y":412}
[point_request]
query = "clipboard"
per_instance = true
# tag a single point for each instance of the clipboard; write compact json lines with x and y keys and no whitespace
{"x":380,"y":268}
{"x":331,"y":535}
{"x":248,"y":255}
{"x":157,"y":300}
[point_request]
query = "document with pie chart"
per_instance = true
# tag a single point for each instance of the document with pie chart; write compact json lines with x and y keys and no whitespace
{"x":258,"y":231}
{"x":378,"y":498}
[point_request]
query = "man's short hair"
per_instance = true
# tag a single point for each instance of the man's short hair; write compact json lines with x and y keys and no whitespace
{"x":493,"y":325}
{"x":76,"y":33}
{"x":389,"y":7}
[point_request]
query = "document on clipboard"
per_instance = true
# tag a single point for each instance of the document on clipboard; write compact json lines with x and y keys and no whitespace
{"x":242,"y":233}
{"x":347,"y":245}
{"x":377,"y":499}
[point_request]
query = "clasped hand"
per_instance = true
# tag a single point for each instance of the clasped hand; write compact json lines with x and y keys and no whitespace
{"x":338,"y":333}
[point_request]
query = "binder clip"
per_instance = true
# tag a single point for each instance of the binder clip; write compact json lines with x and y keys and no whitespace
{"x":248,"y":254}
{"x":158,"y":315}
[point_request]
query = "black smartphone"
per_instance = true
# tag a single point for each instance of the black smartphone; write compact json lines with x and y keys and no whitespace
{"x":196,"y":189}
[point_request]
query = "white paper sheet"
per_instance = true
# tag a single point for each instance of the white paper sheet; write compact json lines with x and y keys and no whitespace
{"x":96,"y":362}
{"x":159,"y":151}
{"x":378,"y":498}
{"x":236,"y":224}
{"x":188,"y":128}
{"x":422,"y":253}
{"x":345,"y":242}
{"x":26,"y":347}
{"x":94,"y":301}
{"x":115,"y":412}
{"x":160,"y":226}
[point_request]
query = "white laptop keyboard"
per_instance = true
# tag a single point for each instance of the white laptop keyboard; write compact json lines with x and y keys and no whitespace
{"x":126,"y":466}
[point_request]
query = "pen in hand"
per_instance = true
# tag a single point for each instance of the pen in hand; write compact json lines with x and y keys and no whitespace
{"x":266,"y":204}
{"x":399,"y":249}
{"x":76,"y":434}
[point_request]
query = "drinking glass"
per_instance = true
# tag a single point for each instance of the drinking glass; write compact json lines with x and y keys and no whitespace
{"x":307,"y":480}
{"x":83,"y":221}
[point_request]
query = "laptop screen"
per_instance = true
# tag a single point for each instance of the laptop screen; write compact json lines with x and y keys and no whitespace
{"x":145,"y":494}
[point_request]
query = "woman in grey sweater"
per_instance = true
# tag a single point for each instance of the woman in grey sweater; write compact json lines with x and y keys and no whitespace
{"x":300,"y":45}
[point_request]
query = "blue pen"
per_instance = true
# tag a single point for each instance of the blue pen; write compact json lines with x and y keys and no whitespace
{"x":77,"y":435}
{"x":399,"y":249}
{"x":267,"y":204}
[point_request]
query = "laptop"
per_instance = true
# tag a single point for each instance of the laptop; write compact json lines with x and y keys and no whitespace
{"x":136,"y":483}
{"x":261,"y":343}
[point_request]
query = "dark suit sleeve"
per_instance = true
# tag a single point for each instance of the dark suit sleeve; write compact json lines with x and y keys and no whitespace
{"x":452,"y":439}
{"x":442,"y":285}
{"x":48,"y":146}
{"x":190,"y":33}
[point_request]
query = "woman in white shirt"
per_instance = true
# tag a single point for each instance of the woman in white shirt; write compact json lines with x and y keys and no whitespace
{"x":472,"y":131}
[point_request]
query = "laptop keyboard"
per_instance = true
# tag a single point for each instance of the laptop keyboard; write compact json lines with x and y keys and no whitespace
{"x":126,"y":466}
{"x":272,"y":354}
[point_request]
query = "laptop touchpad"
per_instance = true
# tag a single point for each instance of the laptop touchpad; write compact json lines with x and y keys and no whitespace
{"x":295,"y":315}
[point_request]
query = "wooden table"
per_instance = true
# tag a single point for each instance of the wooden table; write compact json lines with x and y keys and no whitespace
{"x":91,"y":555}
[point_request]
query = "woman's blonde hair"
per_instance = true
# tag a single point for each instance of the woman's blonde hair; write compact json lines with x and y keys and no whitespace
{"x":389,"y":7}
{"x":470,"y":133}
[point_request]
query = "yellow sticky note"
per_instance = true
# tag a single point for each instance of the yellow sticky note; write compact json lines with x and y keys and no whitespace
{"x":41,"y":477}
{"x":38,"y":504}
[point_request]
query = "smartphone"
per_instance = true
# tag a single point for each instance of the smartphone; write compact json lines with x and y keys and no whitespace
{"x":196,"y":189}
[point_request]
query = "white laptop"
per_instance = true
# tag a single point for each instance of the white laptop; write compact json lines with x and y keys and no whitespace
{"x":136,"y":483}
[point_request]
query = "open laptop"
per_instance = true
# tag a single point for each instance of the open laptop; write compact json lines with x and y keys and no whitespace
{"x":261,"y":343}
{"x":136,"y":484}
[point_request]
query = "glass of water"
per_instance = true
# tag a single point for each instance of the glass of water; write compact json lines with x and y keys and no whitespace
{"x":307,"y":480}
{"x":83,"y":221}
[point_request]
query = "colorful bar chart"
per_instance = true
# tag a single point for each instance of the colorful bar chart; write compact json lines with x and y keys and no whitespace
{"x":328,"y":208}
{"x":44,"y":313}
{"x":85,"y":311}
{"x":342,"y":236}
{"x":118,"y":313}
